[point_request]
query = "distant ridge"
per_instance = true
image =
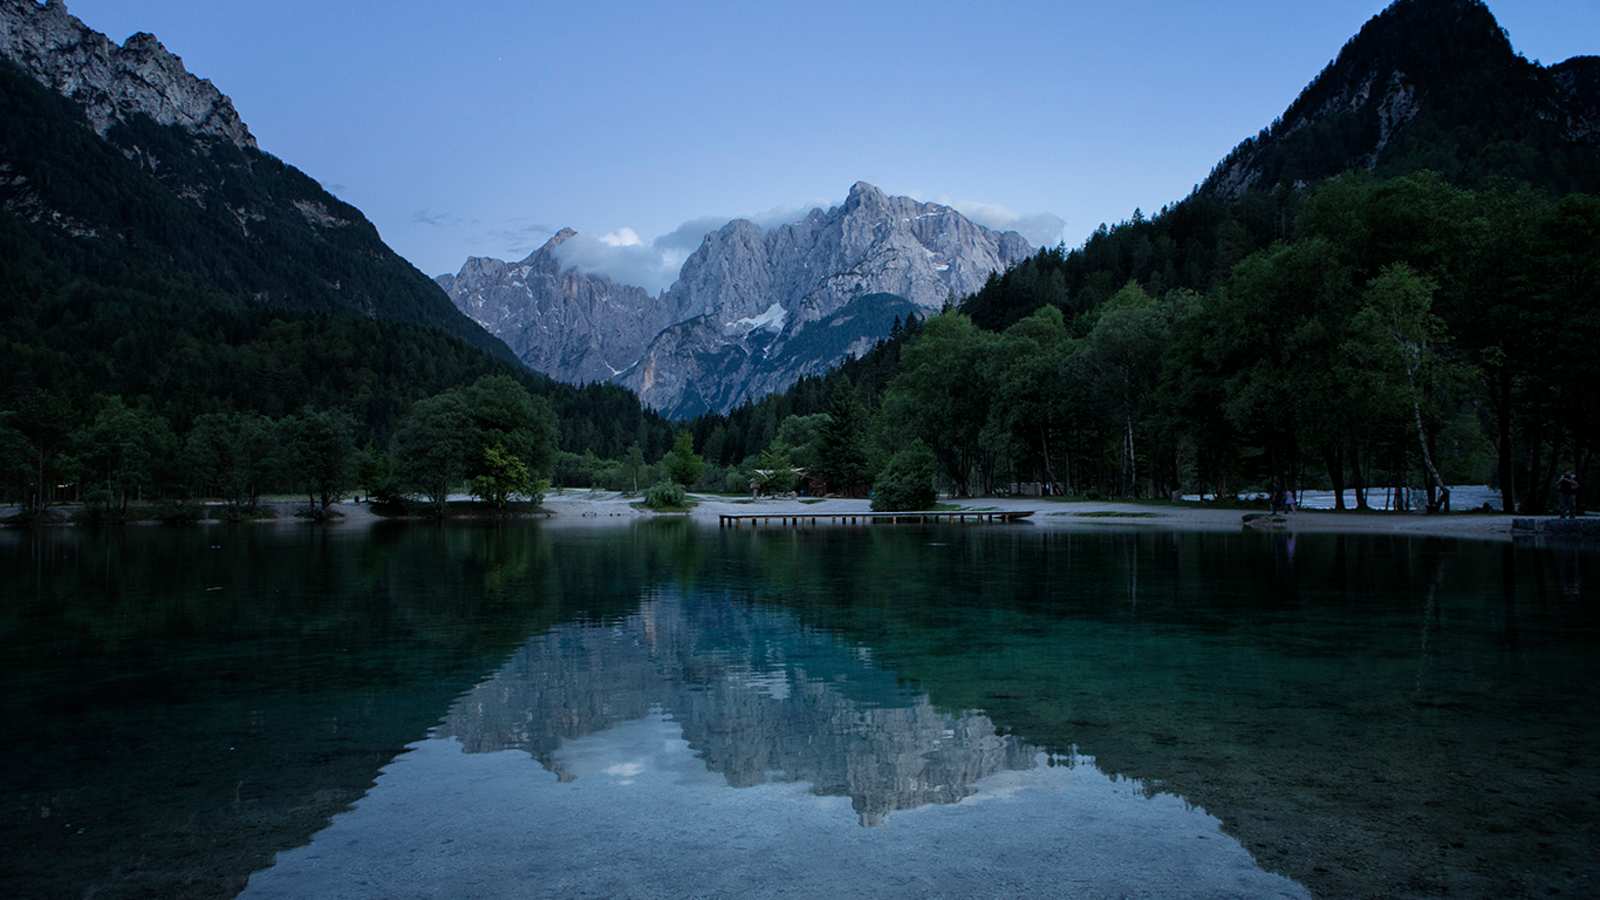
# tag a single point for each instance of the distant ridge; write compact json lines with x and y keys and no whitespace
{"x":740,"y":320}
{"x":1430,"y":84}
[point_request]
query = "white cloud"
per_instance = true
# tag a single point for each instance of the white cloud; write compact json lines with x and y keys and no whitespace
{"x":1041,"y":229}
{"x":784,"y":215}
{"x":622,"y":237}
{"x":626,"y":258}
{"x":621,"y":256}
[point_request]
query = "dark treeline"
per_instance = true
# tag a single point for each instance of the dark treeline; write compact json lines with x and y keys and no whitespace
{"x":190,"y":278}
{"x":120,"y":460}
{"x":1364,"y":334}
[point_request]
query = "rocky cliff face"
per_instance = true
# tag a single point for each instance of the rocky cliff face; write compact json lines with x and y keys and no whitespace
{"x":1578,"y":80}
{"x":1417,"y":71}
{"x":166,"y":177}
{"x":758,"y":308}
{"x":873,"y":243}
{"x":743,"y":318}
{"x":579,"y":326}
{"x":697,"y":366}
{"x":114,"y":82}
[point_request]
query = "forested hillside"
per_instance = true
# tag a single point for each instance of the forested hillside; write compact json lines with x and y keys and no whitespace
{"x":189,"y":276}
{"x":1423,"y":320}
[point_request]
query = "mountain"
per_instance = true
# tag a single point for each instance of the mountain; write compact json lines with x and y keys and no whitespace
{"x":578,"y":326}
{"x":869,"y":738}
{"x":213,"y":206}
{"x":872,"y":243}
{"x":114,"y":83}
{"x":701,"y":369}
{"x":1426,"y":85}
{"x":1430,"y":84}
{"x":743,"y":317}
{"x":149,"y":248}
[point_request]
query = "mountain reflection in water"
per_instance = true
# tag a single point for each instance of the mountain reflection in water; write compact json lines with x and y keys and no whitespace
{"x":709,"y":745}
{"x":758,"y":698}
{"x":393,"y":711}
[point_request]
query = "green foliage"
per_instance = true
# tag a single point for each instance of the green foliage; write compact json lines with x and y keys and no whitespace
{"x":504,"y":476}
{"x":147,"y":281}
{"x":633,"y":467}
{"x":37,"y":431}
{"x":318,"y":448}
{"x":16,"y":458}
{"x":434,"y":446}
{"x":1122,"y":361}
{"x":906,"y":483}
{"x":773,"y":472}
{"x":666,"y":496}
{"x":1375,"y":332}
{"x":735,"y":481}
{"x":503,"y":413}
{"x":492,"y":433}
{"x":121,"y":453}
{"x":378,"y":477}
{"x":683,"y":465}
{"x":802,"y":438}
{"x":841,"y":465}
{"x":233,"y":456}
{"x":1040,"y":403}
{"x":575,"y":470}
{"x":942,"y":397}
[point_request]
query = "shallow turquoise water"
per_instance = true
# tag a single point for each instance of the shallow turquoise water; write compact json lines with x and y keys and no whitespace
{"x":665,"y":709}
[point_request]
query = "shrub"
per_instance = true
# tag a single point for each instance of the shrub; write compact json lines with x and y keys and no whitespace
{"x":178,"y":512}
{"x":666,"y":495}
{"x":906,"y":483}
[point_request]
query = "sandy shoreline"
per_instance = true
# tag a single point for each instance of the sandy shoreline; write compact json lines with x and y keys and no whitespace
{"x":584,"y":507}
{"x":1056,"y":514}
{"x":574,"y":507}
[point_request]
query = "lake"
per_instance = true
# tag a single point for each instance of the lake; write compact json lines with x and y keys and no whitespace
{"x":665,"y":709}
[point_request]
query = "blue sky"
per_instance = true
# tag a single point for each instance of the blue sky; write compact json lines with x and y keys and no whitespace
{"x":475,"y":128}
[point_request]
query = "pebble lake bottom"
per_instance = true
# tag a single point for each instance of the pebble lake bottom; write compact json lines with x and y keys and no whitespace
{"x":666,"y":709}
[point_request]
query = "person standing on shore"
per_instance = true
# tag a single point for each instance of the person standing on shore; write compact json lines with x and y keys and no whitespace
{"x":1567,"y":488}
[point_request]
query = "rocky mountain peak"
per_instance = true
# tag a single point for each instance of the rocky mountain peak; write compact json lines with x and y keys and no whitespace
{"x":481,"y":266}
{"x":1445,"y":63}
{"x":752,"y":309}
{"x":545,"y":256}
{"x":112,"y":82}
{"x":863,"y":194}
{"x":735,"y":230}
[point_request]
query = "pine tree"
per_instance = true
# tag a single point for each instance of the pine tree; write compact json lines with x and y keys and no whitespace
{"x":842,"y":455}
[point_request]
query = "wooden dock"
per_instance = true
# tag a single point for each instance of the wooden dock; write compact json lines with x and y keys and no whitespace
{"x":798,"y":520}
